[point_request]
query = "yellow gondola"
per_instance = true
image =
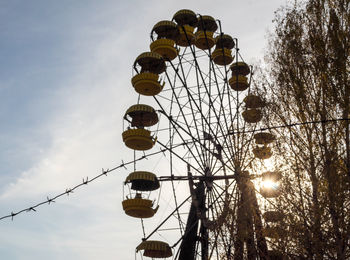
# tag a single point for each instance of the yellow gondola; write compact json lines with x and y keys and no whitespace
{"x":238,"y":83}
{"x":167,"y":32}
{"x":186,"y":35}
{"x":138,"y":139}
{"x":204,"y":40}
{"x":222,"y":56}
{"x":263,"y":152}
{"x":206,"y":23}
{"x":187,"y":21}
{"x":185,"y":16}
{"x":143,"y":181}
{"x":139,"y":207}
{"x":253,"y":101}
{"x":224,"y":41}
{"x":164,"y":47}
{"x":264,"y":138}
{"x":150,"y":62}
{"x":166,"y":29}
{"x":204,"y":36}
{"x":252,"y":115}
{"x":155,"y":249}
{"x":141,"y":115}
{"x":240,"y":68}
{"x":147,"y":84}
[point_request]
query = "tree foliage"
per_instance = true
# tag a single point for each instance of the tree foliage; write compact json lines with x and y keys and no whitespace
{"x":307,"y":80}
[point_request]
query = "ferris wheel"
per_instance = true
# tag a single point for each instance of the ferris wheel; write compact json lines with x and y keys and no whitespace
{"x":204,"y":115}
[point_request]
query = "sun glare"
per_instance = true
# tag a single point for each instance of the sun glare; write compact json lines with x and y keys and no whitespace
{"x":269,"y":184}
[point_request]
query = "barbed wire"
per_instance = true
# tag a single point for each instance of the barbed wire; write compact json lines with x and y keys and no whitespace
{"x":123,"y":165}
{"x":289,"y":125}
{"x":83,"y":183}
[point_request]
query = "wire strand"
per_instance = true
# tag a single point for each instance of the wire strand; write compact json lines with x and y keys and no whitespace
{"x":290,"y":125}
{"x":123,"y":165}
{"x":83,"y":183}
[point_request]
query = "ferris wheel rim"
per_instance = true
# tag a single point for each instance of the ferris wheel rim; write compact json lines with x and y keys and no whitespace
{"x":202,"y":106}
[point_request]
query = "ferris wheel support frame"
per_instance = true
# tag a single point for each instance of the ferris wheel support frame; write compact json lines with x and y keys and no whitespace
{"x":248,"y":220}
{"x":221,"y":221}
{"x":249,"y":201}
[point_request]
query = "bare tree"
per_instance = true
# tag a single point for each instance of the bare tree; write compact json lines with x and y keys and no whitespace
{"x":306,"y":80}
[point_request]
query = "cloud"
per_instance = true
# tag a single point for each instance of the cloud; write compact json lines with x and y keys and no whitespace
{"x":82,"y":127}
{"x":85,"y":136}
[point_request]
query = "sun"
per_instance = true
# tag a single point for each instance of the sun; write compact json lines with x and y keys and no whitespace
{"x":269,"y":184}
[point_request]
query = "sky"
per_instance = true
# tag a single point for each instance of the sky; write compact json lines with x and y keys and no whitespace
{"x":65,"y":70}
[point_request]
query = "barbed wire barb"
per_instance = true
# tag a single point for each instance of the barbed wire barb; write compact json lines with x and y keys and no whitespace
{"x":49,"y":200}
{"x":104,"y":172}
{"x":123,"y":165}
{"x":86,"y":181}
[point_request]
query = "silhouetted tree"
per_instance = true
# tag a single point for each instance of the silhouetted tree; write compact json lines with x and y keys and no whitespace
{"x":307,"y":79}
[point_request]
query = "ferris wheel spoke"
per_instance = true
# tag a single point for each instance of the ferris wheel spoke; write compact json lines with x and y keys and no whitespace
{"x":219,"y":196}
{"x":196,"y":104}
{"x":222,"y":109}
{"x":214,"y":247}
{"x":214,"y":206}
{"x":201,"y":100}
{"x":218,"y":230}
{"x":209,"y":121}
{"x":219,"y":237}
{"x":165,"y":220}
{"x":192,"y":101}
{"x":200,"y":72}
{"x":222,"y":168}
{"x":219,"y":127}
{"x":194,"y":111}
{"x":174,"y":123}
{"x":231,"y":117}
{"x":179,"y":157}
{"x":171,"y":137}
{"x":210,"y":104}
{"x":219,"y":206}
{"x":171,"y":101}
{"x":245,"y":154}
